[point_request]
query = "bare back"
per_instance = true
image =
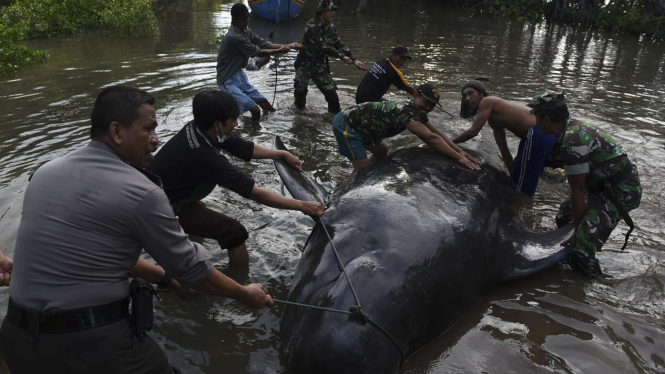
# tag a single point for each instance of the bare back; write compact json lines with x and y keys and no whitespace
{"x":512,"y":116}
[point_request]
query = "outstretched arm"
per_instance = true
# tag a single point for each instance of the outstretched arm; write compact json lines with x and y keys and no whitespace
{"x":154,"y":273}
{"x":269,"y":198}
{"x":273,"y":51}
{"x":264,"y":152}
{"x":410,"y":90}
{"x":357,"y":63}
{"x":296,"y":46}
{"x":438,"y":143}
{"x":218,"y":284}
{"x":484,"y":111}
{"x":450,"y":143}
{"x":500,"y":138}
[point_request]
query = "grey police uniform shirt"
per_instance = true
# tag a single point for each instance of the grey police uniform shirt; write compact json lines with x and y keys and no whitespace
{"x":236,"y":48}
{"x":86,"y":217}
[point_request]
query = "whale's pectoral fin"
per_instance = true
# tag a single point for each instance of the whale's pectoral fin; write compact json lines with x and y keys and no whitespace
{"x":300,"y":185}
{"x":261,"y":61}
{"x":537,"y":251}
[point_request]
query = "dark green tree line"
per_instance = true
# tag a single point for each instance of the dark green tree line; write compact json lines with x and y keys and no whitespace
{"x":25,"y":19}
{"x":632,"y":16}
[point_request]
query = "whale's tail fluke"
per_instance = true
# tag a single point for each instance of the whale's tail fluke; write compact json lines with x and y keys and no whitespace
{"x":300,"y":185}
{"x":538,"y":251}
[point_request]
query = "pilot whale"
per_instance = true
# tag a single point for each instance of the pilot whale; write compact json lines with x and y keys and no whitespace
{"x":421,"y":238}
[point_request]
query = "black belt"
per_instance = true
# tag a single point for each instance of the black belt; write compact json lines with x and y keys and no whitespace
{"x":71,"y":320}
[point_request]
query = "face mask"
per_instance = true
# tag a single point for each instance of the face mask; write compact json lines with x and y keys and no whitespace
{"x":220,"y":139}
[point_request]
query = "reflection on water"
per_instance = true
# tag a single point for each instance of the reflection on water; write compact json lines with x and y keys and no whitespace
{"x":554,"y":322}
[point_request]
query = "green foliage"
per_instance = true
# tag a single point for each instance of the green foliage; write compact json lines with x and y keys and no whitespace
{"x":13,"y":56}
{"x":26,"y":19}
{"x":532,"y":10}
{"x":641,"y":16}
{"x":632,"y":16}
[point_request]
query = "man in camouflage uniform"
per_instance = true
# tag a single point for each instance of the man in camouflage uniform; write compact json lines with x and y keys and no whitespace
{"x":363,"y":127}
{"x":319,"y":41}
{"x":604,"y":184}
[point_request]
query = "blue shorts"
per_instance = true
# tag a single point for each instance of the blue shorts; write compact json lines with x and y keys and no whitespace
{"x":245,"y":94}
{"x":349,"y":142}
{"x":531,"y":154}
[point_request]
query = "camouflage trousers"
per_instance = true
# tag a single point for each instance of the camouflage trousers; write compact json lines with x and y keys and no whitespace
{"x":599,"y":220}
{"x":319,"y":74}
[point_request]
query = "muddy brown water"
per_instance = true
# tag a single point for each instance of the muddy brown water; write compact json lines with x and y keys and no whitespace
{"x":556,"y":321}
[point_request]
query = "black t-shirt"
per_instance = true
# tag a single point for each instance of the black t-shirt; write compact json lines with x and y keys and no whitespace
{"x":377,"y":81}
{"x":190,"y":166}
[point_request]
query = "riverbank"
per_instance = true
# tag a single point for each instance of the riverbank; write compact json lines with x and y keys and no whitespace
{"x":28,"y":19}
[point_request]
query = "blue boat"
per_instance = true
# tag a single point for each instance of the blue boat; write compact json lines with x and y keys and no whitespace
{"x":277,"y":10}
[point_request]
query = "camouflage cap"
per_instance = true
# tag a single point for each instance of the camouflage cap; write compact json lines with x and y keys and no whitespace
{"x":546,"y":101}
{"x":325,"y":5}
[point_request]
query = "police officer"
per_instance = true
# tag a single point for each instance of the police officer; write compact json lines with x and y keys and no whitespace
{"x":604,"y":184}
{"x":86,"y":218}
{"x":320,"y":41}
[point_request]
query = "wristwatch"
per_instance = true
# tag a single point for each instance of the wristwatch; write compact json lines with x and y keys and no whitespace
{"x":165,"y":281}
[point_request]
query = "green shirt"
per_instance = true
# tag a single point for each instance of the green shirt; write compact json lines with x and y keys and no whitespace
{"x":382,"y":119}
{"x":586,"y":149}
{"x":236,"y":48}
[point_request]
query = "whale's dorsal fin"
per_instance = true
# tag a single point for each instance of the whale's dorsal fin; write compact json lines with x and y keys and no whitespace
{"x":300,"y":185}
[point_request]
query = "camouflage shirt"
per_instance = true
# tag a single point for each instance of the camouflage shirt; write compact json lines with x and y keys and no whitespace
{"x":587,"y":149}
{"x":382,"y":119}
{"x":320,"y":40}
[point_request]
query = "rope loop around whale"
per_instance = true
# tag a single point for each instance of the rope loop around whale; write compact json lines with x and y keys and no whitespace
{"x":355,"y":310}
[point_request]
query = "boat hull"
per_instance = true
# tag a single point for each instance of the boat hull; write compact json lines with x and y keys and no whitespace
{"x":276,"y":10}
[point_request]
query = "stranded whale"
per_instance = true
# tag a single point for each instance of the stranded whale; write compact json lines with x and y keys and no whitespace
{"x":422,"y":239}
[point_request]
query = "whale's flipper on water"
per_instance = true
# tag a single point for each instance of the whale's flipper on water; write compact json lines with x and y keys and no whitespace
{"x":301,"y":186}
{"x":256,"y":63}
{"x":536,"y":251}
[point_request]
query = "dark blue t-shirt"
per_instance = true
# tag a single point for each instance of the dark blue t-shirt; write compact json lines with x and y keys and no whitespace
{"x":377,"y":81}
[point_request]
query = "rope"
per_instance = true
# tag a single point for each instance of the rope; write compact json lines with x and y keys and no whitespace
{"x":441,"y":109}
{"x":274,"y":95}
{"x":339,"y":262}
{"x":311,"y":306}
{"x":355,"y":310}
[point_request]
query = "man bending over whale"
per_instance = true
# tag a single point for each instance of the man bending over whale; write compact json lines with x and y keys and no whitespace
{"x":363,"y":127}
{"x":501,"y":115}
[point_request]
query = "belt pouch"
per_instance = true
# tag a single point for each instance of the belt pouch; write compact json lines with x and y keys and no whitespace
{"x":141,"y":293}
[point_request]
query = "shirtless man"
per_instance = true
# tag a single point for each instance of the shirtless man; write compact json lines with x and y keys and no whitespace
{"x":501,"y":115}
